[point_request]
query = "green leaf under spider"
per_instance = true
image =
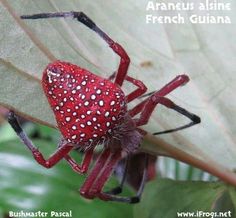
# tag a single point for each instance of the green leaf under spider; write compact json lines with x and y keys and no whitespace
{"x":165,"y":198}
{"x":27,"y":186}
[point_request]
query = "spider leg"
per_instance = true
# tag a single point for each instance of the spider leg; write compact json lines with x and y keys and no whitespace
{"x":105,"y":173}
{"x":83,"y":167}
{"x":152,"y":103}
{"x":193,"y":117}
{"x":172,"y":85}
{"x":61,"y":152}
{"x":83,"y":18}
{"x":147,"y":94}
{"x":135,"y":199}
{"x":98,"y":166}
{"x":99,"y":175}
{"x":137,"y":92}
{"x":119,"y":188}
{"x":147,"y":106}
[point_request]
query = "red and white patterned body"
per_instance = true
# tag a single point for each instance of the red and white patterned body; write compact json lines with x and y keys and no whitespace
{"x":87,"y":107}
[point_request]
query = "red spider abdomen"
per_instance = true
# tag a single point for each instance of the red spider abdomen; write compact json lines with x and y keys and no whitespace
{"x":87,"y":107}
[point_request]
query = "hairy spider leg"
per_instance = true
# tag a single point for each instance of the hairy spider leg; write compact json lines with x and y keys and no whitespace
{"x":83,"y":18}
{"x":61,"y":152}
{"x":147,"y":106}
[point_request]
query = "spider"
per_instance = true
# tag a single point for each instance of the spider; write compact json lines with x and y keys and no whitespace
{"x":92,"y":110}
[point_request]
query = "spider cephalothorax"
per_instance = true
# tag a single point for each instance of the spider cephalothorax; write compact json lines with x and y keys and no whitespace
{"x":90,"y":110}
{"x":126,"y":136}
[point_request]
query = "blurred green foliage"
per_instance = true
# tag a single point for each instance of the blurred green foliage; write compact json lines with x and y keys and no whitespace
{"x":27,"y":186}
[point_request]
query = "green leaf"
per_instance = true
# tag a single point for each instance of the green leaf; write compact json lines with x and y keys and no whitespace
{"x":232,"y":191}
{"x":27,"y":186}
{"x":165,"y":198}
{"x":204,"y":52}
{"x":6,"y":133}
{"x":225,"y":203}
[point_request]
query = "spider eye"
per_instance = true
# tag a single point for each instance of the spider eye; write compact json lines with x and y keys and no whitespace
{"x":52,"y":74}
